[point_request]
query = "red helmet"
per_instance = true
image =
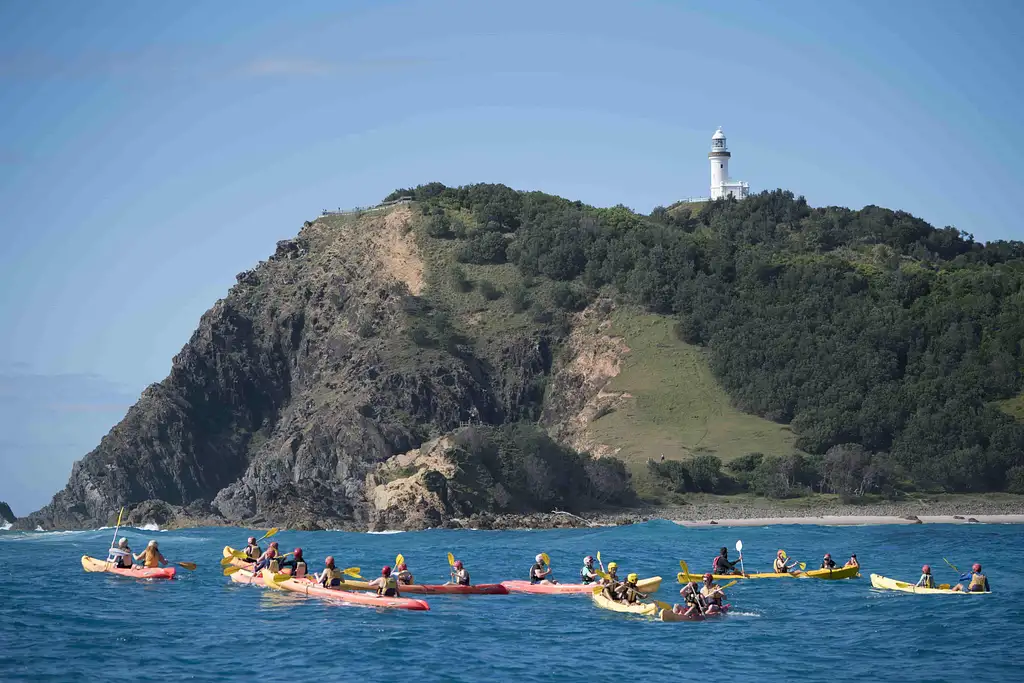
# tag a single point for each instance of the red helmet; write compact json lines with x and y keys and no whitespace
{"x":297,"y":553}
{"x":273,"y":544}
{"x":386,"y":571}
{"x":976,"y":567}
{"x":828,"y":555}
{"x":709,"y":577}
{"x":401,"y":567}
{"x":329,"y":561}
{"x":458,"y":564}
{"x":926,"y":569}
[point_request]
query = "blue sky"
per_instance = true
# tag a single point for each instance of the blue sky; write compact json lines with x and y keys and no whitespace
{"x":149,"y":152}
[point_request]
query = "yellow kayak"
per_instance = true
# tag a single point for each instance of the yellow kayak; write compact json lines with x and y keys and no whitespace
{"x":828,"y":574}
{"x":600,"y":600}
{"x":885,"y":583}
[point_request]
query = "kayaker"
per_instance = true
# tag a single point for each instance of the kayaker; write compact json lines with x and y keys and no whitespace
{"x":460,"y":576}
{"x":613,"y":575}
{"x":852,"y":562}
{"x":588,"y":575}
{"x":121,"y":556}
{"x":926,"y":580}
{"x":978,"y":581}
{"x":266,"y":558}
{"x":386,"y":585}
{"x":722,"y":565}
{"x":404,"y":576}
{"x":296,"y":565}
{"x":331,"y":576}
{"x":691,"y":599}
{"x":538,"y":573}
{"x":780,"y":565}
{"x":827,"y":562}
{"x":712,"y":593}
{"x":151,"y":556}
{"x":628,"y":592}
{"x":252,"y":550}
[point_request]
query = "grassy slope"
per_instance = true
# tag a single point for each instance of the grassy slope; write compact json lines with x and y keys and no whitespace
{"x":678,"y":408}
{"x":1014,"y":407}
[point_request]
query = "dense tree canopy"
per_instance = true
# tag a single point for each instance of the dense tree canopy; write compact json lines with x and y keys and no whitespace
{"x":870,"y":329}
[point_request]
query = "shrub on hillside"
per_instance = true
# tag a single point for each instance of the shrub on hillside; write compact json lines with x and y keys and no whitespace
{"x":483,"y":248}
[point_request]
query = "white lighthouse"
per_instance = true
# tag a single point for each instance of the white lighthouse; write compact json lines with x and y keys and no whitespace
{"x":721,"y":186}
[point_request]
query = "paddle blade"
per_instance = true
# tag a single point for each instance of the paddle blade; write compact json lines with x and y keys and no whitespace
{"x":944,"y":586}
{"x":781,"y":552}
{"x":351,"y":571}
{"x":601,"y":574}
{"x":226,"y":561}
{"x":682,"y":565}
{"x":238,"y":554}
{"x":451,"y":560}
{"x":228,"y":571}
{"x":399,"y":559}
{"x":739,"y":546}
{"x":547,"y":560}
{"x":662,"y":605}
{"x":270,"y":533}
{"x":272,"y":580}
{"x":187,"y":565}
{"x":802,"y":565}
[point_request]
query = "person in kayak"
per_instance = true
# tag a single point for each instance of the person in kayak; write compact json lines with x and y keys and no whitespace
{"x":151,"y":556}
{"x":386,"y":585}
{"x":613,"y":572}
{"x":712,"y":594}
{"x":252,"y":550}
{"x":331,"y":576}
{"x":926,"y":580}
{"x":404,"y":576}
{"x":587,"y":574}
{"x":628,"y":593}
{"x":460,"y":577}
{"x":780,"y":565}
{"x":266,"y":558}
{"x":978,"y":581}
{"x":692,"y":601}
{"x":852,"y":562}
{"x":296,"y":566}
{"x":540,"y":572}
{"x":722,"y":565}
{"x":121,"y":556}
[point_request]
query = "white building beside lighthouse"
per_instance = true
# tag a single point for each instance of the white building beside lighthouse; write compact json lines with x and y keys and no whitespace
{"x":721,"y":185}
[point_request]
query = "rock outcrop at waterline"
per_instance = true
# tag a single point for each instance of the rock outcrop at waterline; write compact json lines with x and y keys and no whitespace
{"x":318,"y":366}
{"x":6,"y":514}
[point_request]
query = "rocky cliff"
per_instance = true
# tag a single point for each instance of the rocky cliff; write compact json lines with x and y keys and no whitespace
{"x":303,"y":393}
{"x":6,"y":515}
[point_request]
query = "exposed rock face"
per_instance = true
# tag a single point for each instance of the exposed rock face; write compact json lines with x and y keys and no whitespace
{"x":296,"y":386}
{"x":6,"y":515}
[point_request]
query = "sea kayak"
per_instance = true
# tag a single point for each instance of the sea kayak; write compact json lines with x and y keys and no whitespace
{"x":433,"y":589}
{"x":307,"y":587}
{"x":885,"y":583}
{"x":650,"y":585}
{"x":91,"y":564}
{"x":828,"y":574}
{"x":669,"y":615}
{"x":648,"y":608}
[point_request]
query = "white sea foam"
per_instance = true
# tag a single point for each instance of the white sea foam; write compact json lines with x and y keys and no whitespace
{"x":386,"y":531}
{"x":6,"y":526}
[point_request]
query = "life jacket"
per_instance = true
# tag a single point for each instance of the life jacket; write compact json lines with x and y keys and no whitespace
{"x":828,"y":564}
{"x":780,"y":566}
{"x":300,"y":569}
{"x":274,"y":566}
{"x":405,"y":577}
{"x":718,"y":565}
{"x":332,"y":577}
{"x":586,"y":575}
{"x":388,"y":588}
{"x":152,"y":558}
{"x":534,"y":570}
{"x":462,"y":577}
{"x":927,"y":581}
{"x":978,"y":583}
{"x":253,"y":552}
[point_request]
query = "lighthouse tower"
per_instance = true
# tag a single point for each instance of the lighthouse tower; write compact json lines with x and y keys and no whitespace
{"x":721,"y":185}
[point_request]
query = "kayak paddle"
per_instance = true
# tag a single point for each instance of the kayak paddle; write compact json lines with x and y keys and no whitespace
{"x":739,"y":549}
{"x":113,"y":541}
{"x":228,"y":571}
{"x":272,"y":580}
{"x":451,"y":560}
{"x":268,"y":534}
{"x":399,"y":559}
{"x":187,"y":565}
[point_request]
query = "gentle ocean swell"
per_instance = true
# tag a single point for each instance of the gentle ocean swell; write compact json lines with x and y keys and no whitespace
{"x":69,"y":625}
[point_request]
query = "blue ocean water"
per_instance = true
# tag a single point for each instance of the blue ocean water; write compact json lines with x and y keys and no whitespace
{"x":73,"y":626}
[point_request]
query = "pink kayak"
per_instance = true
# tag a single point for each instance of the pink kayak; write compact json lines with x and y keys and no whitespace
{"x":668,"y":615}
{"x":307,"y":587}
{"x":91,"y":564}
{"x":650,"y":585}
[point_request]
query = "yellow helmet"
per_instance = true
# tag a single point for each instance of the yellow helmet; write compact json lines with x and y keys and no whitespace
{"x":612,"y":566}
{"x":632,"y":578}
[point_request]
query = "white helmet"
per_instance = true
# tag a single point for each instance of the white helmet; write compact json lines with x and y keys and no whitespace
{"x":540,"y":559}
{"x":151,"y":544}
{"x":122,"y":543}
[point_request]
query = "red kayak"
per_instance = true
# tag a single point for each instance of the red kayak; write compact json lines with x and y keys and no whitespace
{"x":91,"y":564}
{"x":435,"y":589}
{"x":650,"y":585}
{"x":308,"y":587}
